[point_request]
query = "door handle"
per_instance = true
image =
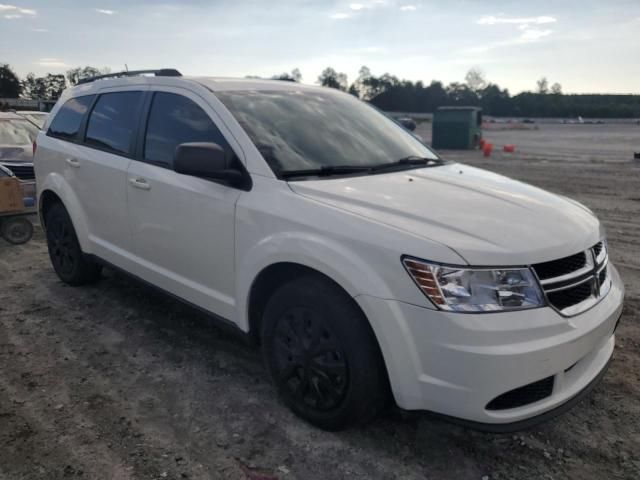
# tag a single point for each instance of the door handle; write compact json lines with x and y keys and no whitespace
{"x":140,"y":183}
{"x":72,"y":162}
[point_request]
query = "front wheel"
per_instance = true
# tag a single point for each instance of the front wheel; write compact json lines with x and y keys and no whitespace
{"x":322,"y":355}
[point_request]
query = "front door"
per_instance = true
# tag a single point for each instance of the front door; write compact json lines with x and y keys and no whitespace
{"x":183,"y":227}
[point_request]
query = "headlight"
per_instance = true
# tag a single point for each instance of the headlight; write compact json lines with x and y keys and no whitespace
{"x":461,"y":289}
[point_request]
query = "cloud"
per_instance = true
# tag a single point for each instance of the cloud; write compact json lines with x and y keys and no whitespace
{"x":105,"y":12}
{"x":51,"y":62}
{"x":358,"y":8}
{"x":15,"y":12}
{"x":526,"y":25}
{"x":495,"y":20}
{"x":533,"y":34}
{"x":39,"y":30}
{"x":408,"y":8}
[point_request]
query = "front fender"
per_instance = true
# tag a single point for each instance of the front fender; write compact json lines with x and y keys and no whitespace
{"x":57,"y":184}
{"x":324,"y":255}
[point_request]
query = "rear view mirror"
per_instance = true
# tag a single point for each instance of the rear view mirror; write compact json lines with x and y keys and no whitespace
{"x":205,"y":160}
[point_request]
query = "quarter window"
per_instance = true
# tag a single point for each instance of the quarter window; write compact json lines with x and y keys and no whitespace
{"x":113,"y":121}
{"x":67,"y":121}
{"x":174,"y":119}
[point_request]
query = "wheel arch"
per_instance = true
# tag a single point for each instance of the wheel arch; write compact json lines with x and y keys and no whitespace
{"x":265,"y":284}
{"x":56,"y":189}
{"x":277,"y":274}
{"x":47,"y":199}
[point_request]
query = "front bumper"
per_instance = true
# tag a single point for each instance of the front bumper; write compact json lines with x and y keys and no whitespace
{"x":455,"y":364}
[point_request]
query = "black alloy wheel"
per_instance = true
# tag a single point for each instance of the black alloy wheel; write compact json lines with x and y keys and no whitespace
{"x":322,"y":354}
{"x":68,"y":260}
{"x":310,"y":362}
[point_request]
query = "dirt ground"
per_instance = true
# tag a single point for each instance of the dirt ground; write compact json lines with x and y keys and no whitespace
{"x":116,"y":381}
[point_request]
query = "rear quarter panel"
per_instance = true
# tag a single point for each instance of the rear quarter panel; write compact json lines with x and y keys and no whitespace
{"x":52,"y":174}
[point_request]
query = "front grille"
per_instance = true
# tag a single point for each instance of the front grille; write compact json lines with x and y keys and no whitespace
{"x":521,"y":396}
{"x":23,"y":172}
{"x":563,"y":266}
{"x":575,"y":283}
{"x":571,"y":296}
{"x":602,"y":277}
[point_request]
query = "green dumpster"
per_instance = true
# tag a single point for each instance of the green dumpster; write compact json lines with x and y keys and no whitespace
{"x":457,"y":128}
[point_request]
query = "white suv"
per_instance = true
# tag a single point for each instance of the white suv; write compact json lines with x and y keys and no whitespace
{"x":362,"y":262}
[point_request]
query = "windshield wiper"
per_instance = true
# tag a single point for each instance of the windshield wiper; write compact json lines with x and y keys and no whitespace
{"x":406,"y":162}
{"x":329,"y":170}
{"x":325,"y":171}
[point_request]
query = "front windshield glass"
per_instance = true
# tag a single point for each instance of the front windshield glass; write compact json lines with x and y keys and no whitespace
{"x":17,"y":132}
{"x":312,"y":129}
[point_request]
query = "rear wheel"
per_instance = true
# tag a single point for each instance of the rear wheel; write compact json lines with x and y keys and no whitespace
{"x":71,"y":265}
{"x":322,"y":355}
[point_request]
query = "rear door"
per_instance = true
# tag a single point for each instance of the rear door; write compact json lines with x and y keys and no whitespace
{"x":98,"y":168}
{"x":183,"y":226}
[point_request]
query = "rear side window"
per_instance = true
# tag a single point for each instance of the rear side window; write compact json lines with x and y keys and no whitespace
{"x":67,"y":121}
{"x":174,"y":119}
{"x":113,"y":122}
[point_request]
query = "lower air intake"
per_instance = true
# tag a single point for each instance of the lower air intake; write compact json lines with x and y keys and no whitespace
{"x":522,"y":396}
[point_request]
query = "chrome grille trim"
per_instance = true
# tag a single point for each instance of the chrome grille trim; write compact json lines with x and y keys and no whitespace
{"x":569,"y":276}
{"x":571,"y":285}
{"x":597,"y":262}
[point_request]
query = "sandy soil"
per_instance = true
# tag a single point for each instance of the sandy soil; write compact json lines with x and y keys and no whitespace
{"x":117,"y":381}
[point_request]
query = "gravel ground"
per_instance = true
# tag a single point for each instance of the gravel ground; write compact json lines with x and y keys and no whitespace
{"x":117,"y":381}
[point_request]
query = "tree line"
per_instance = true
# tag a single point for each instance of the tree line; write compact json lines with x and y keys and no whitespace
{"x":47,"y":87}
{"x":390,"y":93}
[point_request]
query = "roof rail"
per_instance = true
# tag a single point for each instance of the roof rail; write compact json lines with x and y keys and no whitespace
{"x":163,"y":72}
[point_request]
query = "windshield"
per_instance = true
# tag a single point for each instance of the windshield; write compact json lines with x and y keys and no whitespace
{"x":312,"y":130}
{"x":17,"y":132}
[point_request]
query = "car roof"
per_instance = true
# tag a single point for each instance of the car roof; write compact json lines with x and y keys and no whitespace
{"x":211,"y":83}
{"x":224,"y":83}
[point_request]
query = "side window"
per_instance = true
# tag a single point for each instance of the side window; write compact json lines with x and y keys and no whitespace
{"x":113,"y":120}
{"x":174,"y":119}
{"x":67,"y":121}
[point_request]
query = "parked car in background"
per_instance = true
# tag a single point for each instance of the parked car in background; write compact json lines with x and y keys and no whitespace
{"x":17,"y":135}
{"x":408,"y":123}
{"x":37,"y":118}
{"x":363,"y":262}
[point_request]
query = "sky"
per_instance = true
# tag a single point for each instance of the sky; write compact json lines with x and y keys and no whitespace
{"x":588,"y":46}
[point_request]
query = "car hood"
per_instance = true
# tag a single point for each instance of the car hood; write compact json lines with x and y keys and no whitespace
{"x":16,"y":153}
{"x":488,"y":219}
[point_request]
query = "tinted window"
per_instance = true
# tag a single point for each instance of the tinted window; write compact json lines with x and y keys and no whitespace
{"x":311,"y":129}
{"x":67,"y":121}
{"x":173,"y":120}
{"x":113,"y":121}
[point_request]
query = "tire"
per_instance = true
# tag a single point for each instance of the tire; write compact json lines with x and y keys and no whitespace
{"x":70,"y":264}
{"x":322,"y":355}
{"x":16,"y":230}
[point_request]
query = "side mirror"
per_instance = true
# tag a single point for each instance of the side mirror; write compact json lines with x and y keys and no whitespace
{"x":205,"y":160}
